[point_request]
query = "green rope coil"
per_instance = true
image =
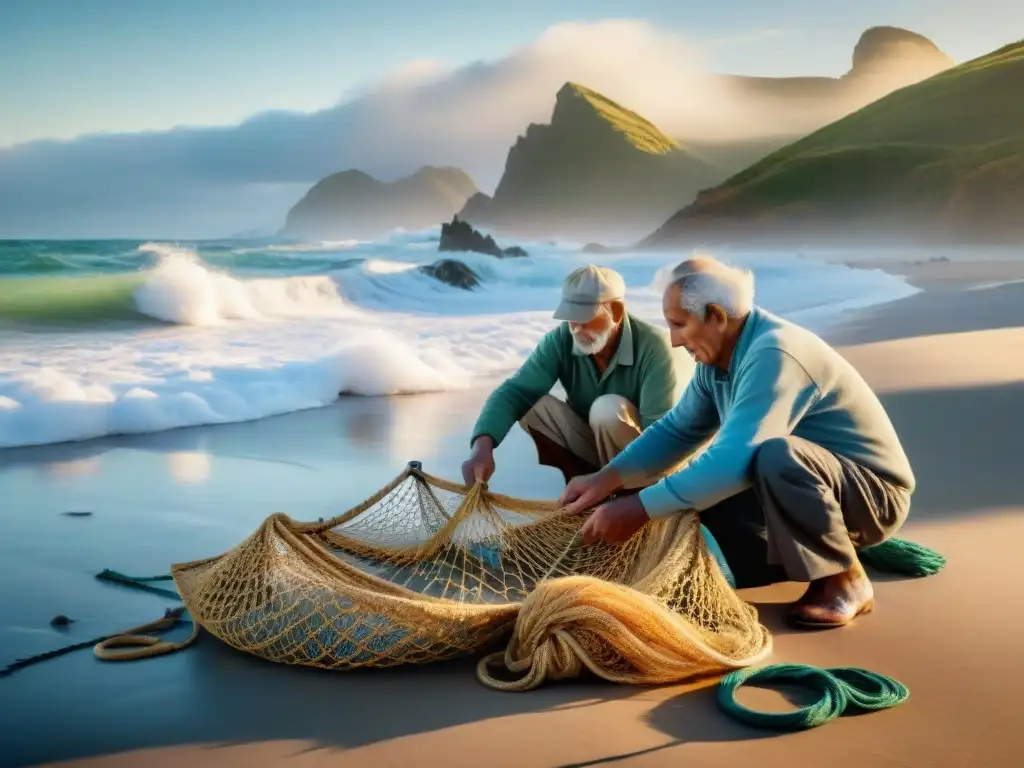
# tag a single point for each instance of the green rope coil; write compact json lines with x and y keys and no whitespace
{"x":842,"y":689}
{"x":904,"y":557}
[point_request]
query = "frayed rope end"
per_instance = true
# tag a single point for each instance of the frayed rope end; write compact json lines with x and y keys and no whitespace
{"x":903,"y":557}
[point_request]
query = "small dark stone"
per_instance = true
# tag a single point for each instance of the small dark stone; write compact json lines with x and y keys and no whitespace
{"x":60,"y":620}
{"x":452,"y":272}
{"x":77,"y":513}
{"x":515,"y":250}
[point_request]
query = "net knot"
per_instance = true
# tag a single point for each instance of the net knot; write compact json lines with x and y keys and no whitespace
{"x":552,"y":656}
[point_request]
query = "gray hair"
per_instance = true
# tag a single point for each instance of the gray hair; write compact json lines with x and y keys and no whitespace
{"x":703,"y":281}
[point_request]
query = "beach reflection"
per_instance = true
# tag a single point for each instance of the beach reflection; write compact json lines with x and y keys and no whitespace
{"x":407,"y":428}
{"x":367,"y":428}
{"x":369,"y":432}
{"x":71,"y":468}
{"x":189,"y":467}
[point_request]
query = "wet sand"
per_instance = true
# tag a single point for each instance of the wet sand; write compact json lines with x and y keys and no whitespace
{"x":949,"y":364}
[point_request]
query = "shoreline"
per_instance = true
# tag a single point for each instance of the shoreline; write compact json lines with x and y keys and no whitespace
{"x":193,"y":492}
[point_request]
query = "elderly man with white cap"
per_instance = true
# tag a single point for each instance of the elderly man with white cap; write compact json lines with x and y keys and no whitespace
{"x":617,"y":372}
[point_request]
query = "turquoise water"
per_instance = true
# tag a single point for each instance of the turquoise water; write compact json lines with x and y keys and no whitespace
{"x":61,"y":281}
{"x":77,"y":257}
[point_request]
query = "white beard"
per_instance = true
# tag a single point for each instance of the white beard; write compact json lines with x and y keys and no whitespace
{"x":599,"y":342}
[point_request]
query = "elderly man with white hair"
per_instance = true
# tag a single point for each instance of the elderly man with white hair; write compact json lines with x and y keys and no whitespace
{"x":617,"y":371}
{"x":803,"y":466}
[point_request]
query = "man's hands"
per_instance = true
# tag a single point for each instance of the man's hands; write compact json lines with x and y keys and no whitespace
{"x":612,"y":522}
{"x":586,"y":491}
{"x":616,"y":521}
{"x":479,"y":467}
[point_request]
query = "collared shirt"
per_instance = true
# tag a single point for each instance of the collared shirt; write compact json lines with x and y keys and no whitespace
{"x":781,"y":380}
{"x":642,"y":370}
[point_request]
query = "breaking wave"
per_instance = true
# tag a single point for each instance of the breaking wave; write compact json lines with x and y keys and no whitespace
{"x":224,"y":331}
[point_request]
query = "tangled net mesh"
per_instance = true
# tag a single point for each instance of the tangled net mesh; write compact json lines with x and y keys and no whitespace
{"x":427,"y":570}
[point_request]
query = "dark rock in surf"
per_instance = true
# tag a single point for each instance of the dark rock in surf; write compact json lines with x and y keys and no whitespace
{"x":453,"y":273}
{"x":459,"y":235}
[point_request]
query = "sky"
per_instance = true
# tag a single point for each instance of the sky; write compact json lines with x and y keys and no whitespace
{"x":202,"y":118}
{"x":69,"y":67}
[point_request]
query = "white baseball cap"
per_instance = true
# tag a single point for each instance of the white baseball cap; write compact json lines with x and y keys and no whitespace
{"x":585,"y":290}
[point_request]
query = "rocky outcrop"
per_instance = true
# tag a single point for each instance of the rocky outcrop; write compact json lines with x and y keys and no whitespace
{"x":353,"y":204}
{"x":453,"y":273}
{"x":897,"y":54}
{"x":597,"y":168}
{"x":458,"y":235}
{"x":475,"y":206}
{"x":748,"y":118}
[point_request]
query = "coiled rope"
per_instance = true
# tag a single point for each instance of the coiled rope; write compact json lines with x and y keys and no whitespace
{"x":543,"y":648}
{"x":841,"y":690}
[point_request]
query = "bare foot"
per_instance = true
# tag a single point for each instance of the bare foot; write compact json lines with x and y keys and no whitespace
{"x":835,"y":600}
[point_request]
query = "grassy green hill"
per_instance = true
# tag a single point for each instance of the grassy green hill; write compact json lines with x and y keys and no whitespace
{"x":941,"y":158}
{"x":637,"y":130}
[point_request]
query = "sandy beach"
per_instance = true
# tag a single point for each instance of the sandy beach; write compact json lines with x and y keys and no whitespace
{"x":949,"y":365}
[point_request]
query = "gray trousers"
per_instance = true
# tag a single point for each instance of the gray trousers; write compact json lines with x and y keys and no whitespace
{"x":806,"y":515}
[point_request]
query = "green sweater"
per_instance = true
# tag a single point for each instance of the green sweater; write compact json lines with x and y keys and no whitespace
{"x":782,"y":380}
{"x":642,"y":370}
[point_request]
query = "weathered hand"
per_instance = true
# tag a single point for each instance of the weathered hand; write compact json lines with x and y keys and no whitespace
{"x":479,"y":467}
{"x":616,"y":521}
{"x":585,"y":491}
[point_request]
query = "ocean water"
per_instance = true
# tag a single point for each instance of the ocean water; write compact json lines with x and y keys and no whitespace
{"x":118,"y":337}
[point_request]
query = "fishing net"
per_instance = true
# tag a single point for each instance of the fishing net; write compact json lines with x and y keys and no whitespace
{"x":427,"y":570}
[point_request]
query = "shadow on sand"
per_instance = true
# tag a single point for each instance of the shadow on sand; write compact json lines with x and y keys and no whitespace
{"x":213,"y":695}
{"x":997,"y":307}
{"x":937,"y":427}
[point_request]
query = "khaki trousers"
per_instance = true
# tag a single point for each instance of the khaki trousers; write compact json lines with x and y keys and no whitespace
{"x":612,"y":424}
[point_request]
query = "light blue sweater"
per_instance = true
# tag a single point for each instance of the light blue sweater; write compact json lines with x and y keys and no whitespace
{"x":782,"y":380}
